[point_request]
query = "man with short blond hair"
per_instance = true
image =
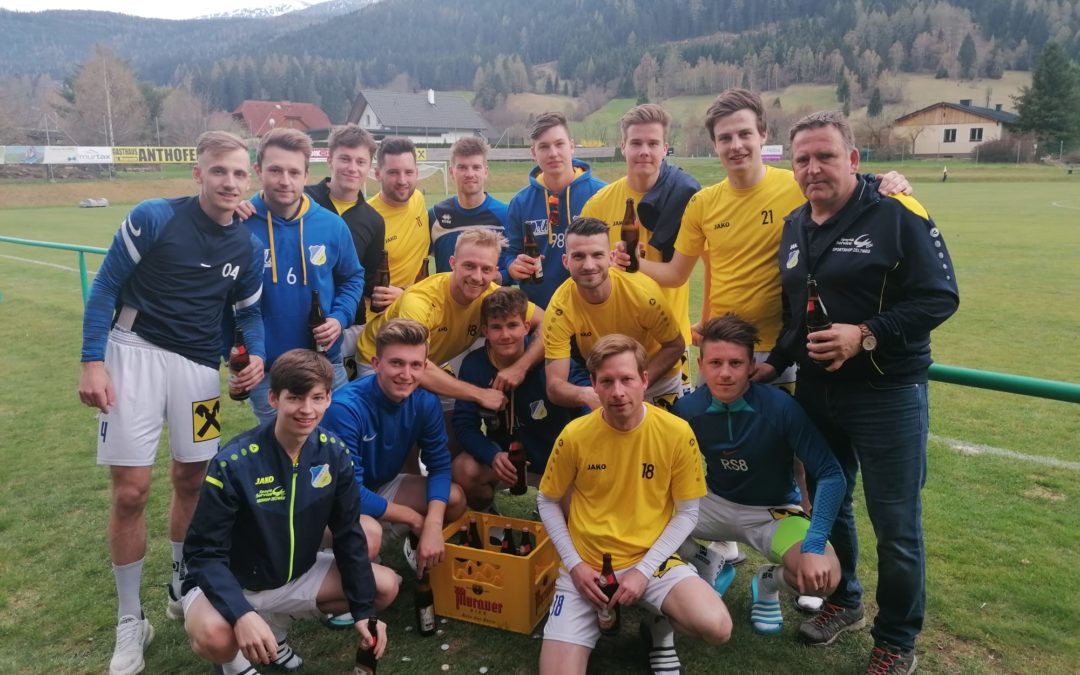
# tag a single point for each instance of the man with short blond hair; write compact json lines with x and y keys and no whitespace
{"x":558,"y":188}
{"x":637,"y":478}
{"x":150,"y":354}
{"x":471,"y":207}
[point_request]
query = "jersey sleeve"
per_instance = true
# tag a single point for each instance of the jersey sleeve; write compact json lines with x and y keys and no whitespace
{"x":348,"y":278}
{"x":561,"y":468}
{"x":687,"y":472}
{"x":691,"y":239}
{"x":813,"y":451}
{"x":657,"y":319}
{"x":208,"y":544}
{"x":435,"y":450}
{"x":247,"y":309}
{"x":132,"y":241}
{"x":558,"y":329}
{"x":466,"y":418}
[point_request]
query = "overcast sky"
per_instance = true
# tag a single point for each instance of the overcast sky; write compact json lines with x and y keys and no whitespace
{"x":164,"y":10}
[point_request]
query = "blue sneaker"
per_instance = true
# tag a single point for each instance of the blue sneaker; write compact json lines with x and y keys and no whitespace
{"x":765,"y":615}
{"x":338,"y":621}
{"x":723,"y":578}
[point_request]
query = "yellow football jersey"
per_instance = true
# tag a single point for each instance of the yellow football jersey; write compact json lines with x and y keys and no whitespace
{"x":408,"y":237}
{"x":609,"y":205}
{"x":635,"y":308}
{"x":625,"y":483}
{"x":452,"y":327}
{"x":741,"y":231}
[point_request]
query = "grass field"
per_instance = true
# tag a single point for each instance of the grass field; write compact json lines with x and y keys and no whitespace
{"x":1001,"y":531}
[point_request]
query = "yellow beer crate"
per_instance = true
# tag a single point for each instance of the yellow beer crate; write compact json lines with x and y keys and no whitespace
{"x":492,"y":588}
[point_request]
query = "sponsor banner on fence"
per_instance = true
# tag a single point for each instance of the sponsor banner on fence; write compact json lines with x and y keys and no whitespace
{"x":320,"y":155}
{"x":61,"y":154}
{"x":772,"y":153}
{"x":24,"y":154}
{"x":93,"y":155}
{"x":153,"y":155}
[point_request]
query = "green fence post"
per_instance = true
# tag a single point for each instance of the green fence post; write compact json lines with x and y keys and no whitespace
{"x":82,"y":277}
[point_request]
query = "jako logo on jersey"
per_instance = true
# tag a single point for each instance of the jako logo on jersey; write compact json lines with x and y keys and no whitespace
{"x":597,"y":467}
{"x":720,"y":226}
{"x":264,"y":480}
{"x":266,"y":258}
{"x":537,"y":410}
{"x":317,"y":254}
{"x":320,"y":476}
{"x":793,"y":258}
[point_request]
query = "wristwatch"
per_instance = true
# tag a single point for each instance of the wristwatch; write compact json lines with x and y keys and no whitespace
{"x":869,"y":342}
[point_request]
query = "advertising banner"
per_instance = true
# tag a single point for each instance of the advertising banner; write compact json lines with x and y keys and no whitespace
{"x":772,"y":153}
{"x":320,"y":155}
{"x":24,"y":154}
{"x":153,"y":155}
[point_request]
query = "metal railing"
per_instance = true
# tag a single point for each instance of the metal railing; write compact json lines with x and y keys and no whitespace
{"x":81,"y":250}
{"x":968,"y":377}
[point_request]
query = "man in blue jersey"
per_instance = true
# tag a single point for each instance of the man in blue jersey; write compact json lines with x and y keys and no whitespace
{"x":558,"y":188}
{"x":471,"y":207}
{"x":351,"y":152}
{"x":306,"y":248}
{"x":380,"y":418}
{"x":749,"y":434}
{"x":151,"y":348}
{"x":529,"y":417}
{"x":254,"y":544}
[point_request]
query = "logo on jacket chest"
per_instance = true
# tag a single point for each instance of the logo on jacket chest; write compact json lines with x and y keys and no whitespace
{"x":860,"y":244}
{"x":792,"y":257}
{"x":317,"y":254}
{"x":320,"y":476}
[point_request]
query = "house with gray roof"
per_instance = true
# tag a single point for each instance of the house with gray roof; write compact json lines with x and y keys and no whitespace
{"x":426,"y":118}
{"x":954,"y":129}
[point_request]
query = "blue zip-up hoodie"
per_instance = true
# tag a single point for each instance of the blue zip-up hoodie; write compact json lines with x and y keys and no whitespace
{"x":879,"y":261}
{"x":529,"y":208}
{"x":261,"y":518}
{"x":314,"y":250}
{"x":380,"y":433}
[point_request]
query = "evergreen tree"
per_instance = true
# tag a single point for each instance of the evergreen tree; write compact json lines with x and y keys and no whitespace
{"x":1050,"y":107}
{"x":967,"y":57}
{"x":873,"y":108}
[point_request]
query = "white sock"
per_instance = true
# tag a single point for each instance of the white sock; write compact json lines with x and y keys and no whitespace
{"x":179,"y":570}
{"x":771,"y":581}
{"x":662,"y":655}
{"x":238,"y":665}
{"x":128,"y":579}
{"x":705,"y":560}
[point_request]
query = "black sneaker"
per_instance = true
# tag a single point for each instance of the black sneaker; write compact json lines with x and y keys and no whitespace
{"x":829,"y":623}
{"x":888,"y":660}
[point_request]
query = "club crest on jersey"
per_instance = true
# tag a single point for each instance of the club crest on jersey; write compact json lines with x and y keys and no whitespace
{"x":537,"y":410}
{"x":793,"y":258}
{"x":267,"y":262}
{"x":320,"y":476}
{"x":317,"y":254}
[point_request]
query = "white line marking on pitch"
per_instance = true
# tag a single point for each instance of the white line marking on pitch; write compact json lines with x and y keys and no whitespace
{"x":965,"y":448}
{"x":1060,"y":205}
{"x":46,"y":264}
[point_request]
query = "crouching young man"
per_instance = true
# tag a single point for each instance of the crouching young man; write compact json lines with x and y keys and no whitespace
{"x":749,"y":433}
{"x":637,"y":477}
{"x":253,"y":546}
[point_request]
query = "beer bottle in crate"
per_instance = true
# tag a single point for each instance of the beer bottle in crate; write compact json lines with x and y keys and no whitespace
{"x":474,"y":535}
{"x":316,"y":318}
{"x":238,"y":360}
{"x":609,"y":619}
{"x":366,"y":663}
{"x":631,"y":234}
{"x":424,"y":601}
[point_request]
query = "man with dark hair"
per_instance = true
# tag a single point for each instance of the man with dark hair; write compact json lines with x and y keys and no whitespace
{"x":558,"y":188}
{"x":150,"y":354}
{"x":529,"y":417}
{"x":596,"y":301}
{"x":471,"y":207}
{"x":404,"y":211}
{"x":637,"y":478}
{"x":351,"y":151}
{"x":253,"y":546}
{"x":380,"y":418}
{"x":306,"y":248}
{"x":886,"y":276}
{"x":750,"y":434}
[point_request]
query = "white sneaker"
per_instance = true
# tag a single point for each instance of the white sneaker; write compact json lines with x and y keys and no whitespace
{"x":174,"y":610}
{"x":409,"y":551}
{"x":133,"y":635}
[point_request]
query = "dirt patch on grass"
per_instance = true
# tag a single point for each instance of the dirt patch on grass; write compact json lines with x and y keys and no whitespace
{"x":1040,"y":492}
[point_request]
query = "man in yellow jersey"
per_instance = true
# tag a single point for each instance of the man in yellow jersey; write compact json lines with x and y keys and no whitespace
{"x":405,"y":212}
{"x":448,"y":305}
{"x":351,"y":150}
{"x":637,"y":479}
{"x":596,"y":301}
{"x":660,"y":192}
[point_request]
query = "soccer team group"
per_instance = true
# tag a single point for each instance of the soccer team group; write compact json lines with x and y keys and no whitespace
{"x":393,"y":414}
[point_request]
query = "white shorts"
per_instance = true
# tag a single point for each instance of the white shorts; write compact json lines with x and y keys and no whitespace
{"x":153,"y":386}
{"x":664,"y":392}
{"x":348,"y":341}
{"x":389,"y":489}
{"x":722,"y":520}
{"x":572,"y":618}
{"x":298,"y":597}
